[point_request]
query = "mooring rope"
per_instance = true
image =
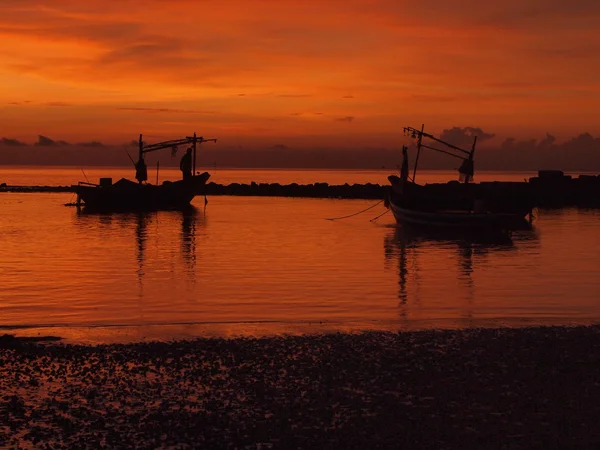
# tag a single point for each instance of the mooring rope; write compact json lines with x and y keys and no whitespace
{"x":375,"y":218}
{"x":355,"y":214}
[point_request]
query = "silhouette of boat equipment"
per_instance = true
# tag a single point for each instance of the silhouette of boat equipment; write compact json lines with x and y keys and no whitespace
{"x":127,"y":195}
{"x":464,"y":208}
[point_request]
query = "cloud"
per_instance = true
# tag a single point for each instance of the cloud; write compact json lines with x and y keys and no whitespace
{"x":29,"y":102}
{"x":547,"y":142}
{"x":581,"y":152}
{"x":512,"y":144}
{"x":11,"y":142}
{"x":91,"y":144}
{"x":166,"y":110}
{"x":456,"y":58}
{"x":345,"y":119}
{"x":44,"y":141}
{"x":155,"y":48}
{"x":463,"y":137}
{"x":294,"y":95}
{"x":59,"y":104}
{"x":279,"y":147}
{"x":582,"y":142}
{"x":431,"y":98}
{"x":508,"y":14}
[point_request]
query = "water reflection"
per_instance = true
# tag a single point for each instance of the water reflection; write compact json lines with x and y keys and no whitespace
{"x":161,"y":226}
{"x":415,"y":249}
{"x":189,"y":218}
{"x":141,"y":237}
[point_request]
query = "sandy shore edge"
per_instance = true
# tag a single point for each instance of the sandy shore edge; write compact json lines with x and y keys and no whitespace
{"x":535,"y":387}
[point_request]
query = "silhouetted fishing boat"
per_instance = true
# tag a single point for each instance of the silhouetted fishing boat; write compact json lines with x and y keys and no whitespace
{"x":461,"y":207}
{"x":127,"y":195}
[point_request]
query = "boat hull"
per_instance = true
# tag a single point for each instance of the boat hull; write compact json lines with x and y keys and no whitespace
{"x":458,"y":220}
{"x":127,"y":195}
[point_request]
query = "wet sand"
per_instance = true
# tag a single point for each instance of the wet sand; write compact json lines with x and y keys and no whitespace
{"x":476,"y":388}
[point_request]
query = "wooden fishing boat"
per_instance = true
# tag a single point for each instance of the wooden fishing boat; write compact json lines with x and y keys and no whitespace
{"x":127,"y":195}
{"x":462,"y":206}
{"x":459,"y":219}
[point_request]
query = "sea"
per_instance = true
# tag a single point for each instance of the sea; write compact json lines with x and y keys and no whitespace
{"x":240,"y":266}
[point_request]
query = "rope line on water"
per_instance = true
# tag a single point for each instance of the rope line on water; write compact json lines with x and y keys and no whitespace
{"x":355,"y":214}
{"x":375,"y":218}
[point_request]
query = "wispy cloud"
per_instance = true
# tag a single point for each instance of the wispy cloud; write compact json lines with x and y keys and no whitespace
{"x":58,"y":104}
{"x":91,"y":144}
{"x":44,"y":141}
{"x":165,"y":110}
{"x":294,"y":95}
{"x":464,"y":136}
{"x":440,"y":60}
{"x":11,"y":142}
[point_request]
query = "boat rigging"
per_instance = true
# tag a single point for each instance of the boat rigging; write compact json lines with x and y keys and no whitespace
{"x":466,"y":169}
{"x":141,"y":171}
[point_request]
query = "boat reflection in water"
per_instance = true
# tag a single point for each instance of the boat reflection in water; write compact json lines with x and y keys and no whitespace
{"x":162,"y":226}
{"x":439,"y":266}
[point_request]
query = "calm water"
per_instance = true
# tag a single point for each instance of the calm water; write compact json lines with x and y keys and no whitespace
{"x":261,"y":265}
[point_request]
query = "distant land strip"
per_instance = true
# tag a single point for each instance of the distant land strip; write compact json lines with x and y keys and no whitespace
{"x":554,"y":190}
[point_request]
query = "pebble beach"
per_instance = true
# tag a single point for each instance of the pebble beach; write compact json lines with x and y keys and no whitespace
{"x":506,"y":388}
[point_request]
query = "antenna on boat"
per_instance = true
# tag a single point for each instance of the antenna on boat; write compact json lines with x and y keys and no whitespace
{"x":86,"y":178}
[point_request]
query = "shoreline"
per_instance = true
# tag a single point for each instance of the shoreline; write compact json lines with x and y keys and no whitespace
{"x":470,"y":388}
{"x":126,"y":334}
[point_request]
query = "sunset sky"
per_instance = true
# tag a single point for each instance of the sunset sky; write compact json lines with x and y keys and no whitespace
{"x":339,"y":72}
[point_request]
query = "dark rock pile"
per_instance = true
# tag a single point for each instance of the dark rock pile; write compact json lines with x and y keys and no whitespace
{"x":316,"y":190}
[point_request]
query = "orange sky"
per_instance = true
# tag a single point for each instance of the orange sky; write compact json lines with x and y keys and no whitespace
{"x":346,"y":72}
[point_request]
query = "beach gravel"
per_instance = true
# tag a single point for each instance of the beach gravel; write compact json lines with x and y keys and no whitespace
{"x":461,"y":389}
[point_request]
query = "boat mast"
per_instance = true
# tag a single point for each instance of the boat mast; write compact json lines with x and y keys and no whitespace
{"x":418,"y":151}
{"x":141,"y":172}
{"x":194,"y":154}
{"x":141,"y":145}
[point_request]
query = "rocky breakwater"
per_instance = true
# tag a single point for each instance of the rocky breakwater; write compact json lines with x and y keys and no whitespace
{"x":7,"y":188}
{"x":316,"y":190}
{"x":550,"y":189}
{"x":554,"y":189}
